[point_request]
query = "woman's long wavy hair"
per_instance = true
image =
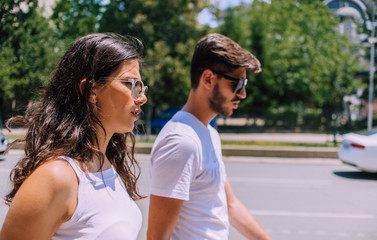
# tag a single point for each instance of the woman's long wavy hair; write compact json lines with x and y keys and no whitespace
{"x":63,"y":122}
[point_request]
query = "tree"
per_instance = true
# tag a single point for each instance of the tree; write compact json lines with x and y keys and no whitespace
{"x":74,"y":18}
{"x":169,"y":29}
{"x":304,"y":60}
{"x":27,"y":53}
{"x":250,"y":32}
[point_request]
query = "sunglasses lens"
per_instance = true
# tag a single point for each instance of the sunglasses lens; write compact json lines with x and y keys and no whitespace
{"x":241,"y":83}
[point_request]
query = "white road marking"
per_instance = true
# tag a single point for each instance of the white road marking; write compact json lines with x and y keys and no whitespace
{"x":341,"y":234}
{"x":279,"y":180}
{"x":287,"y":160}
{"x":311,"y":214}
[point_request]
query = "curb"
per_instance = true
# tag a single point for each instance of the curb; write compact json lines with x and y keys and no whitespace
{"x":262,"y":151}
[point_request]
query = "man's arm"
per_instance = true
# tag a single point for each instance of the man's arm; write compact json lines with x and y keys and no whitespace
{"x":241,"y":218}
{"x":163,"y":215}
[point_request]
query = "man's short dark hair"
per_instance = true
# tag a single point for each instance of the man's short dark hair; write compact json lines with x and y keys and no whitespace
{"x":220,"y":53}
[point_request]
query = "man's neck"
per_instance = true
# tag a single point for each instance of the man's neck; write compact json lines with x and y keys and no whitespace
{"x":197,"y":104}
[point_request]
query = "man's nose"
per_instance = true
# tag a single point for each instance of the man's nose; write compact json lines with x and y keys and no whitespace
{"x":242,"y":93}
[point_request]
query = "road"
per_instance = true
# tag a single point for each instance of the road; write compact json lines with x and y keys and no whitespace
{"x":295,"y":199}
{"x":310,"y":201}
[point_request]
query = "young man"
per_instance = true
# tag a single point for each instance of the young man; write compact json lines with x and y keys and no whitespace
{"x":191,"y":197}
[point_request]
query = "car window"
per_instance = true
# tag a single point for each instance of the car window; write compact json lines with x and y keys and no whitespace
{"x":371,"y":133}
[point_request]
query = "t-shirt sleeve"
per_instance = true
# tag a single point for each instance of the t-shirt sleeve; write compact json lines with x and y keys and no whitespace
{"x":173,"y":167}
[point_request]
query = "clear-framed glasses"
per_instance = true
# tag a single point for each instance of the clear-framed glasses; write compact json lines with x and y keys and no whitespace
{"x":135,"y":85}
{"x":241,"y":82}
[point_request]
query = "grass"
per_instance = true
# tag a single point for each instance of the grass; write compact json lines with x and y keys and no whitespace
{"x":11,"y":138}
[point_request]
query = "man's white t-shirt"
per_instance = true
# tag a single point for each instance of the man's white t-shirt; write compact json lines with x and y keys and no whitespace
{"x":186,"y":163}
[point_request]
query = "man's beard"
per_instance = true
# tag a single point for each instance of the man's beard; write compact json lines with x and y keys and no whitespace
{"x":216,"y":102}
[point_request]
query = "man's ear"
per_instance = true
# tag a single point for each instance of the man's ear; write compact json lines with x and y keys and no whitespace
{"x":207,"y":78}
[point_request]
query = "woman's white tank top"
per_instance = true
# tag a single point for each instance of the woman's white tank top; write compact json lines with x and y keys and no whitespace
{"x":104,"y":209}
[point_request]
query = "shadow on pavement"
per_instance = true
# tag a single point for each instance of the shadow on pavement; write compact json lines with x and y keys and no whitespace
{"x":357,"y":175}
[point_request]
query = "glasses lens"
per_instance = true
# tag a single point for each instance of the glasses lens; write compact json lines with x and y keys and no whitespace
{"x":241,"y":83}
{"x":138,"y":89}
{"x":127,"y":84}
{"x":145,"y":89}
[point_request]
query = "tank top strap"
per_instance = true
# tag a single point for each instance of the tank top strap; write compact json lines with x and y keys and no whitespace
{"x":74,"y":165}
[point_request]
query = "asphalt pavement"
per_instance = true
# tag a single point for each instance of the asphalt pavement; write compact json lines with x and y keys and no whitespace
{"x":292,"y":199}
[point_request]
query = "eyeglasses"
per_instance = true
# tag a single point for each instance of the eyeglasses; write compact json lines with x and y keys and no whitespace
{"x":241,"y":82}
{"x":136,"y":86}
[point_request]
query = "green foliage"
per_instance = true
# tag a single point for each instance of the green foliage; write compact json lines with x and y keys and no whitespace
{"x":74,"y":18}
{"x":27,"y":52}
{"x":282,"y":117}
{"x":312,"y":119}
{"x":304,"y":60}
{"x":170,"y":30}
{"x":295,"y":116}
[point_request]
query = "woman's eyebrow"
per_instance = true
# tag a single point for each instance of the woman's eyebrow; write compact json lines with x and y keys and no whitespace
{"x":125,"y":76}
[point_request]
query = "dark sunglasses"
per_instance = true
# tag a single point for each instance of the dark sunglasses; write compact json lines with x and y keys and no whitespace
{"x":241,"y":82}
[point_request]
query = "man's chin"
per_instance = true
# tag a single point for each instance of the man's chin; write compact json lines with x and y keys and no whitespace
{"x":226,"y":113}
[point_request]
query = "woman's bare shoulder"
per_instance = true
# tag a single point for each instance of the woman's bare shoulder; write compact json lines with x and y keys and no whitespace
{"x":58,"y":172}
{"x":47,"y":197}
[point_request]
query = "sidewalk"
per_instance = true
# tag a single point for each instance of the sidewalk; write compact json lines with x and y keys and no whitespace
{"x":265,"y":151}
{"x":282,"y":137}
{"x":264,"y":137}
{"x":320,"y":138}
{"x":257,"y":151}
{"x":270,"y":151}
{"x":14,"y":131}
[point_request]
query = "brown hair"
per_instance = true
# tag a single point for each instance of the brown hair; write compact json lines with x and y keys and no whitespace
{"x":63,"y":122}
{"x":220,"y":53}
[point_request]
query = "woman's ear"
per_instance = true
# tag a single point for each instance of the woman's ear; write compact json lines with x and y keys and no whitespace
{"x":82,"y":85}
{"x":92,"y":96}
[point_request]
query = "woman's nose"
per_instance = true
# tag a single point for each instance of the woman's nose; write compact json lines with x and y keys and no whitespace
{"x":142,"y":99}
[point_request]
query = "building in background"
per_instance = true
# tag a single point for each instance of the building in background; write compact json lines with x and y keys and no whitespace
{"x":351,"y":14}
{"x":352,"y":17}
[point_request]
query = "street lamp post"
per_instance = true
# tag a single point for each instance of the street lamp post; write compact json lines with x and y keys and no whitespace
{"x":372,"y":41}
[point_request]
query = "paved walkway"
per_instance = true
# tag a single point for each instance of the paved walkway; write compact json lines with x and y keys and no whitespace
{"x":272,"y":137}
{"x":263,"y":137}
{"x":281,"y":137}
{"x":14,"y":131}
{"x":260,"y":151}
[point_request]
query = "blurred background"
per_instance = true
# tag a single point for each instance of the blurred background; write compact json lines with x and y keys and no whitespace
{"x":317,"y":56}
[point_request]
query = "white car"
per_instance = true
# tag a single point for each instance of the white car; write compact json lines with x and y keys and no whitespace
{"x":360,"y":150}
{"x":3,"y":143}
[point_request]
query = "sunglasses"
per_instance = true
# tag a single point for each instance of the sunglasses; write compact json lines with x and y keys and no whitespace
{"x":241,"y":82}
{"x":136,"y":86}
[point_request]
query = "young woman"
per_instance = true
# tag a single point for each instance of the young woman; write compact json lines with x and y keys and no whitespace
{"x":78,"y":177}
